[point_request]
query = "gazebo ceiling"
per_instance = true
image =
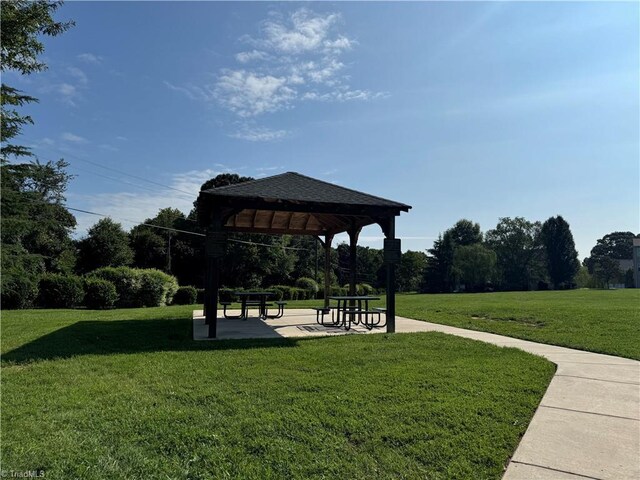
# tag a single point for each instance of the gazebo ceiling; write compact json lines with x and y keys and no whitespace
{"x":291,"y":203}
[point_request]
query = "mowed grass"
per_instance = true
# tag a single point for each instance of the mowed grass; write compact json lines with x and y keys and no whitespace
{"x":128,"y":394}
{"x":605,"y":321}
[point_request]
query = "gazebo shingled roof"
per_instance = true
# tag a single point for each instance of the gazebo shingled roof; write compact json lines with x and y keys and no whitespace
{"x":295,"y":204}
{"x":291,"y":203}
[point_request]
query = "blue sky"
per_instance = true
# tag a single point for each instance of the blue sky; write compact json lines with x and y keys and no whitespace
{"x":462,"y":110}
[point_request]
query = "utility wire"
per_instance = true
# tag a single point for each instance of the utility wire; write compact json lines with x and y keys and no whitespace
{"x":34,"y":200}
{"x":66,"y":154}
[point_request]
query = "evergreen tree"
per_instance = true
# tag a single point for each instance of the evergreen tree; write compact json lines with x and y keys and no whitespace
{"x":439,"y":271}
{"x":560,"y":251}
{"x":23,"y":22}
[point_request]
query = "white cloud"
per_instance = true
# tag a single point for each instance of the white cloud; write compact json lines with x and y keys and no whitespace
{"x":73,"y":138}
{"x":245,"y":57}
{"x":259,"y":134}
{"x":249,"y":94}
{"x":343,"y":95}
{"x":305,"y":31}
{"x":90,"y":58}
{"x":78,"y":74}
{"x":192,"y":91}
{"x":295,"y":58}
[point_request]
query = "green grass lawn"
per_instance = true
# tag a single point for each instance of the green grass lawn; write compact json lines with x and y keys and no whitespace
{"x":605,"y":321}
{"x":128,"y":394}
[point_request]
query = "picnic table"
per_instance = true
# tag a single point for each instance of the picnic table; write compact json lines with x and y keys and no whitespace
{"x":351,"y":306}
{"x":251,"y":299}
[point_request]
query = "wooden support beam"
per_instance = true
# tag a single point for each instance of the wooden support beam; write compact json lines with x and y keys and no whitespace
{"x":327,"y":269}
{"x":391,"y":254}
{"x":273,"y":214}
{"x":306,"y":223}
{"x":214,"y":251}
{"x":289,"y":220}
{"x":354,"y":232}
{"x":253,"y":220}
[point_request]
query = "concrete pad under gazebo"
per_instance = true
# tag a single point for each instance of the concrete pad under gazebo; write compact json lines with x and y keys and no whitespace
{"x":296,"y":322}
{"x":294,"y":204}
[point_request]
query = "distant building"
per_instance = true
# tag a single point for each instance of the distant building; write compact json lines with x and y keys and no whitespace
{"x":636,"y":261}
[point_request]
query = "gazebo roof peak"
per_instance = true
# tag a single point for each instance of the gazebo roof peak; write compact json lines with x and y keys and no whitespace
{"x":295,"y":187}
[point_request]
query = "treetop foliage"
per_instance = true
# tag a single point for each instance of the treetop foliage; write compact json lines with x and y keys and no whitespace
{"x":23,"y":22}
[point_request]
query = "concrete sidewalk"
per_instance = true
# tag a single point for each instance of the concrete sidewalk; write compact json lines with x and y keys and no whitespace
{"x":587,"y":425}
{"x":588,"y":422}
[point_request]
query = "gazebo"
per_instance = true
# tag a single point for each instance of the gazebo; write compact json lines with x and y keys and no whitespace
{"x":294,"y":204}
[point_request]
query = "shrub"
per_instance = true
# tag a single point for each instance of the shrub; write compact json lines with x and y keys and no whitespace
{"x":127,"y":283}
{"x":60,"y":291}
{"x":226,"y":295}
{"x":185,"y":296}
{"x":365,"y":289}
{"x":308,"y":284}
{"x":277,"y":294}
{"x":19,"y":290}
{"x":139,"y":287}
{"x":200,"y":296}
{"x":303,"y":294}
{"x":156,"y":288}
{"x":286,"y":291}
{"x":338,"y":291}
{"x":99,"y":294}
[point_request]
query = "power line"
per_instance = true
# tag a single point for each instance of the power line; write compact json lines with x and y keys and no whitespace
{"x":151,"y":189}
{"x":66,"y":154}
{"x":34,"y":200}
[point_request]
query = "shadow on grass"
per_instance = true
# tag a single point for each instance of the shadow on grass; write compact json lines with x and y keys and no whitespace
{"x":126,"y":336}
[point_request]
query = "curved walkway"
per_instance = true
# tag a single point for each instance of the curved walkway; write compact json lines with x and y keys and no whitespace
{"x":588,"y":422}
{"x":586,"y":426}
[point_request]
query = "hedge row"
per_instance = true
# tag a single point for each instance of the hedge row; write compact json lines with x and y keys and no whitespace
{"x":103,"y":288}
{"x":138,"y":287}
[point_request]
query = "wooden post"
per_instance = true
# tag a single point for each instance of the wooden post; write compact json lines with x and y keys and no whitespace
{"x":327,"y":269}
{"x":392,"y":252}
{"x":215,"y":243}
{"x":353,"y":244}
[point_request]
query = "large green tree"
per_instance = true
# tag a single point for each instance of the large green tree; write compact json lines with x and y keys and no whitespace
{"x":439,"y":272}
{"x":520,"y":263}
{"x":615,"y":245}
{"x":439,"y":275}
{"x":36,"y":226}
{"x":23,"y":24}
{"x":465,"y":232}
{"x":560,"y":251}
{"x":474,"y":266}
{"x":152,"y":246}
{"x":411,"y":271}
{"x":106,"y":245}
